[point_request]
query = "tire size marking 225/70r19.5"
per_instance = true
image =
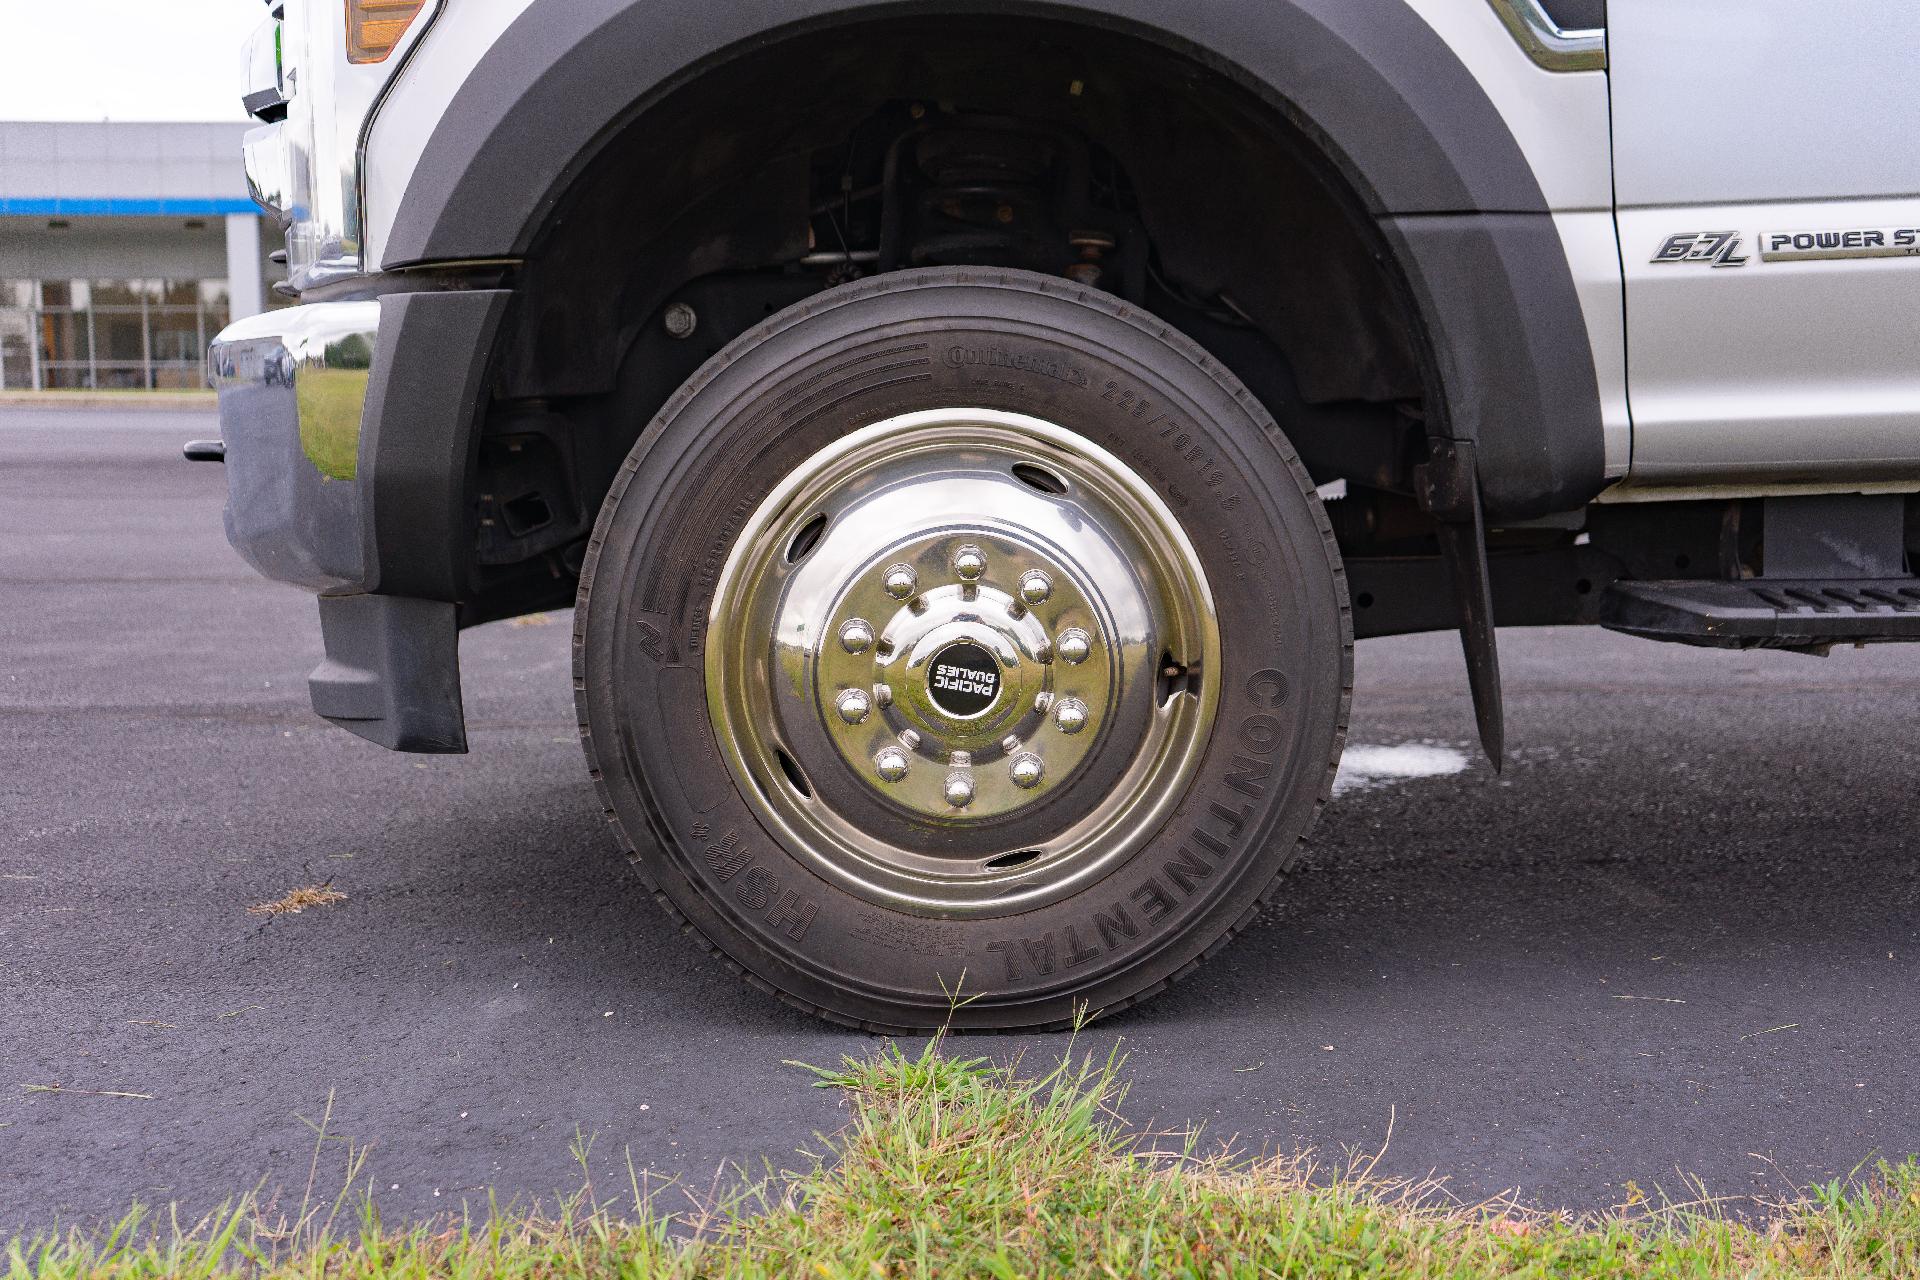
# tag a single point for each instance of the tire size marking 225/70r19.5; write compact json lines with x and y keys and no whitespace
{"x":963,"y":636}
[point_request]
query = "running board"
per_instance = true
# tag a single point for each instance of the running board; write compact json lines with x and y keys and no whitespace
{"x":1766,"y":613}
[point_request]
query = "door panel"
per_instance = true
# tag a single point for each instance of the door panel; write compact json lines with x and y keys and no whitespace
{"x":1752,"y":364}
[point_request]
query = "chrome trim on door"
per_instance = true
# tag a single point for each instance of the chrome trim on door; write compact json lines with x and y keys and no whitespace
{"x":1548,"y":45}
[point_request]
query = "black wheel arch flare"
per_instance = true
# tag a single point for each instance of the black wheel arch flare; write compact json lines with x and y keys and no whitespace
{"x":1509,"y":361}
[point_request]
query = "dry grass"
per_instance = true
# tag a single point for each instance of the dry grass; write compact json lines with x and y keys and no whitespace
{"x":298,"y":900}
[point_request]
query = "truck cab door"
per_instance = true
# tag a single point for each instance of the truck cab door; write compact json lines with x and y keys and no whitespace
{"x":1768,"y":199}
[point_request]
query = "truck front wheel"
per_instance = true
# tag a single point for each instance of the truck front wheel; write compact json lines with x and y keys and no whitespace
{"x":962,"y":646}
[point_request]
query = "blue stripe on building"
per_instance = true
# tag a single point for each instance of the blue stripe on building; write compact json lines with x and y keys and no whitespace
{"x":71,"y":207}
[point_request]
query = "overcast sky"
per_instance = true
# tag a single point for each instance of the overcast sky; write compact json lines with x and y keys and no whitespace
{"x":123,"y":59}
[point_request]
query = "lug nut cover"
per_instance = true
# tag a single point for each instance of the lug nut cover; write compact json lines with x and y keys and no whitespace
{"x":854,"y":705}
{"x":1070,"y":715}
{"x":959,"y":790}
{"x":890,"y":764}
{"x":1035,"y":586}
{"x":1074,"y":645}
{"x":969,"y":563}
{"x":901,"y":581}
{"x":856,"y":636}
{"x":1026,"y":770}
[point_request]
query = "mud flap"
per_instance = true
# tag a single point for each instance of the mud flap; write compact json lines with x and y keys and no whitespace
{"x":392,"y":672}
{"x":1449,"y":490}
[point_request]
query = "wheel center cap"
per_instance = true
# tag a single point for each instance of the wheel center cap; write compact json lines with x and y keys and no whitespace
{"x":963,"y":680}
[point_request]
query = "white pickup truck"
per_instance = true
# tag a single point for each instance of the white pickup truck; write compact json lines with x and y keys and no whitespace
{"x":974,"y":432}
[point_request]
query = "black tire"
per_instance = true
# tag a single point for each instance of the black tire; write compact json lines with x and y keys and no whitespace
{"x":1085,"y":360}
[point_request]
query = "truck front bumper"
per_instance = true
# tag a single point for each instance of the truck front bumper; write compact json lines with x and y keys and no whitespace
{"x":293,"y":389}
{"x":350,"y":430}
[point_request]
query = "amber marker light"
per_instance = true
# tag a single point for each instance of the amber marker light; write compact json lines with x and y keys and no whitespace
{"x":374,"y":27}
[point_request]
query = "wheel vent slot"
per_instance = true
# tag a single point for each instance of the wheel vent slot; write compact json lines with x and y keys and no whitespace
{"x":1008,"y":861}
{"x":791,"y":767}
{"x":1175,"y":678}
{"x":806,"y":540}
{"x":1036,"y":477}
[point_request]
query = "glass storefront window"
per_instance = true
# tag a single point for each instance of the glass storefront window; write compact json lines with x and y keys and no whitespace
{"x":64,"y":336}
{"x":82,"y":334}
{"x":63,"y":377}
{"x":118,"y":293}
{"x":64,"y":293}
{"x":16,"y":344}
{"x":177,"y":333}
{"x":119,"y":335}
{"x":179,"y":376}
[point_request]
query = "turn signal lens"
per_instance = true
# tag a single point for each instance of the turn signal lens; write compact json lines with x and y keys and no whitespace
{"x":374,"y":27}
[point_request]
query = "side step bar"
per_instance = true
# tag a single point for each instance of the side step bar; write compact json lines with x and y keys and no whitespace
{"x":1766,"y":613}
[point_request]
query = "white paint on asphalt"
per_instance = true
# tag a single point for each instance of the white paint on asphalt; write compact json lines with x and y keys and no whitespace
{"x":1363,"y":767}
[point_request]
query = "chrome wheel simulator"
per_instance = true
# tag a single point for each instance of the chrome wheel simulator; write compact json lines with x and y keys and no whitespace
{"x":954,"y":653}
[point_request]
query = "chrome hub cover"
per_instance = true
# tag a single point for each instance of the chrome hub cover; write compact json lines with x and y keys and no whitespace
{"x":962,"y":673}
{"x":935,"y":661}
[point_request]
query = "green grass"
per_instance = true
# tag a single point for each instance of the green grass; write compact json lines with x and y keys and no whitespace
{"x":330,"y":403}
{"x":958,"y":1167}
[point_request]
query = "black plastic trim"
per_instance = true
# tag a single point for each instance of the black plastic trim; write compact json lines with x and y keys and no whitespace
{"x":1576,"y":15}
{"x":419,"y":438}
{"x":1514,"y":360}
{"x":1767,"y":613}
{"x":392,"y":672}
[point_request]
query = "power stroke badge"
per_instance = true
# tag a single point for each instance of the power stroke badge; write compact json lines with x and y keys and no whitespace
{"x":963,"y":679}
{"x":1722,"y":248}
{"x":1856,"y":242}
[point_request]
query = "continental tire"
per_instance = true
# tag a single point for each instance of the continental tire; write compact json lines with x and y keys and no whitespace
{"x":962,"y":646}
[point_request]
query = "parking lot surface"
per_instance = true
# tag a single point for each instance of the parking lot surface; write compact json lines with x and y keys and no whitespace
{"x":1678,"y":937}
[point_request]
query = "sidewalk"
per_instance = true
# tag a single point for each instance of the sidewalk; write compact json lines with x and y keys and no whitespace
{"x":167,"y":401}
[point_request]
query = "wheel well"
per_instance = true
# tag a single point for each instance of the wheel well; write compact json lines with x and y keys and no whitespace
{"x":1023,"y":141}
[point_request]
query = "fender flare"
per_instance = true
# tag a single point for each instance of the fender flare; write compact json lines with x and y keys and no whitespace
{"x":1424,"y":149}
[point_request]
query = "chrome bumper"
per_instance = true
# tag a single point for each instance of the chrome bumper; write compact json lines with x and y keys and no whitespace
{"x":293,"y":385}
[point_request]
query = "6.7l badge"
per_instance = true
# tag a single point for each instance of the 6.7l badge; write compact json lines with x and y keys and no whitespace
{"x":1719,"y":248}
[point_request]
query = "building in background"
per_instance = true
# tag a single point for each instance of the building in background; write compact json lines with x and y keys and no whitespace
{"x":123,"y":249}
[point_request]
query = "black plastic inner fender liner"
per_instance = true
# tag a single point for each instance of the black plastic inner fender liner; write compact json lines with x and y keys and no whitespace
{"x":1379,"y":89}
{"x":392,"y":672}
{"x":1368,"y":82}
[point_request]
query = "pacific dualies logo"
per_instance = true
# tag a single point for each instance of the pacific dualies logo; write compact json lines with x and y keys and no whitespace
{"x":963,"y":679}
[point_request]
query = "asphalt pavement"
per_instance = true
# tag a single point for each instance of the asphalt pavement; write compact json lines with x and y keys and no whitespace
{"x":1677,"y":940}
